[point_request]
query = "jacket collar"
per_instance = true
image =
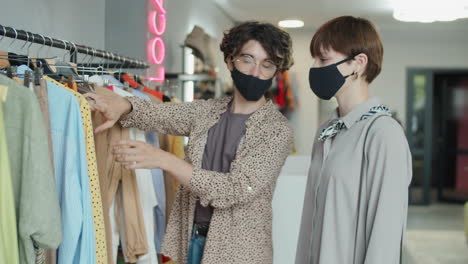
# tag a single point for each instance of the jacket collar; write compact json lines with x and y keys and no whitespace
{"x":358,"y":111}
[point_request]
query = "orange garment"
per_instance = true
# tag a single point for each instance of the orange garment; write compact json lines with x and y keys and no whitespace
{"x":72,"y":86}
{"x":289,"y":94}
{"x":127,"y":78}
{"x":159,"y":95}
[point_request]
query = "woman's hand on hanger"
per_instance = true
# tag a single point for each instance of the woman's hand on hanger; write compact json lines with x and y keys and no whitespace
{"x":141,"y":155}
{"x":112,"y":107}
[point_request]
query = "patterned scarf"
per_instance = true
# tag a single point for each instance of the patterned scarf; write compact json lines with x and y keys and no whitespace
{"x":338,"y":124}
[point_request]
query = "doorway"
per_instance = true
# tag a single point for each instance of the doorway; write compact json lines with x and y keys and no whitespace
{"x":437,"y":130}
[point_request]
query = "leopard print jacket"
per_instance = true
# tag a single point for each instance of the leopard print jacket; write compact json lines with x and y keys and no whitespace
{"x":241,"y":226}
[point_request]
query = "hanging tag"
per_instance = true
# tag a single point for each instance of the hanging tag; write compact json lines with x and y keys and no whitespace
{"x":3,"y":93}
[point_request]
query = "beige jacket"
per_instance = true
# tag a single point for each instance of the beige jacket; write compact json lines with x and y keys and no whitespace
{"x":241,"y":226}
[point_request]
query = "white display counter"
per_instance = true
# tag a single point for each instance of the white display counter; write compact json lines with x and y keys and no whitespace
{"x":287,"y":208}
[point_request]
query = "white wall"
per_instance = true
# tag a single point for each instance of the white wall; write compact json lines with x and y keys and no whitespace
{"x":305,"y":118}
{"x":81,"y":21}
{"x":126,"y":28}
{"x":419,"y":47}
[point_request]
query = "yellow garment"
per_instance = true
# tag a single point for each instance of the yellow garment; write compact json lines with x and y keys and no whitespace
{"x":99,"y":226}
{"x":176,"y":147}
{"x":8,"y":235}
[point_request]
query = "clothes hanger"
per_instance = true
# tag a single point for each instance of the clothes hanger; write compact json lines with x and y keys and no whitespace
{"x":38,"y":73}
{"x":3,"y":63}
{"x":11,"y":70}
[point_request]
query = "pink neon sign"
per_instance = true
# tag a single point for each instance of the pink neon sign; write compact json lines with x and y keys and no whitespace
{"x":161,"y":18}
{"x":156,"y":46}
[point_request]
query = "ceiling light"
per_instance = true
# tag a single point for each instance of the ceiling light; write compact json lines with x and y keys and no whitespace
{"x":291,"y":23}
{"x":428,"y":11}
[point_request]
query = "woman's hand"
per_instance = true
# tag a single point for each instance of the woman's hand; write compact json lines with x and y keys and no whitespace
{"x":140,"y":155}
{"x":112,"y":107}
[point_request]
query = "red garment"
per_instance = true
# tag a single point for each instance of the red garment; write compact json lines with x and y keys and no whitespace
{"x":289,"y":94}
{"x":280,"y":98}
{"x":166,"y":260}
{"x":127,"y":78}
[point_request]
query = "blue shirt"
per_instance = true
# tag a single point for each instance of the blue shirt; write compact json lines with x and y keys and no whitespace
{"x":71,"y":175}
{"x":158,"y":185}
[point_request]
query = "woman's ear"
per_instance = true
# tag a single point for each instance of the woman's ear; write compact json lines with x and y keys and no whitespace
{"x":361,"y":59}
{"x":229,"y":63}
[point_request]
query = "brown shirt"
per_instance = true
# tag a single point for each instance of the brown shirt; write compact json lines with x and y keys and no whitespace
{"x":220,"y":151}
{"x":112,"y":175}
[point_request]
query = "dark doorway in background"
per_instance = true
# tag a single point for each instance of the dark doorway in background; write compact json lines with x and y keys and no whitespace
{"x":437,"y":130}
{"x":450,"y":136}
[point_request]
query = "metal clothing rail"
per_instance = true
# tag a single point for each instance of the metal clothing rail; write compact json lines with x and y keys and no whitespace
{"x":121,"y":61}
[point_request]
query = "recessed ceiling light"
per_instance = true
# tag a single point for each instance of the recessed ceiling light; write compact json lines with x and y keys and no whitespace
{"x":291,"y":23}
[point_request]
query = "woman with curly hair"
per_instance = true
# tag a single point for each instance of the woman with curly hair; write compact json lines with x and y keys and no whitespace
{"x":237,"y":146}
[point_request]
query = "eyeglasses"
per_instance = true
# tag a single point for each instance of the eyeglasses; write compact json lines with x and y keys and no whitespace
{"x":245,"y":63}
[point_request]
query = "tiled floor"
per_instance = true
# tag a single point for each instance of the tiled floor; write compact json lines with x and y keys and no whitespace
{"x":435,"y":235}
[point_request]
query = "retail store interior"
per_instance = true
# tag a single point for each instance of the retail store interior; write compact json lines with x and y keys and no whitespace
{"x":424,"y":81}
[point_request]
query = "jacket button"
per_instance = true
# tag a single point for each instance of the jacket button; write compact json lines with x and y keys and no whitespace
{"x":249,"y":188}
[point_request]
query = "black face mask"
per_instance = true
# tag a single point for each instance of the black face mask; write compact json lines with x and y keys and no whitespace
{"x":326,"y":81}
{"x":250,"y":87}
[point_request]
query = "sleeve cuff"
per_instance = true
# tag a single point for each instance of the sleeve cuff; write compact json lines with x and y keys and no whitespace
{"x":198,"y":185}
{"x":128,"y":120}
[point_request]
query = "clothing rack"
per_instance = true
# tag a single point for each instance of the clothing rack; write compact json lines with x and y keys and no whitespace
{"x":120,"y":61}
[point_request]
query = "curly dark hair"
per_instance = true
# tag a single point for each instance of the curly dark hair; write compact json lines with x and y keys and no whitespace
{"x":276,"y":42}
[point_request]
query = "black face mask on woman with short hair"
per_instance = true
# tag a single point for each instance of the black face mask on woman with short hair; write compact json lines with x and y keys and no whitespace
{"x":326,"y":81}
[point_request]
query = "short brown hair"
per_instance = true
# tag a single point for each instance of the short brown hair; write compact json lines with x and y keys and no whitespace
{"x":276,"y":42}
{"x":351,"y":36}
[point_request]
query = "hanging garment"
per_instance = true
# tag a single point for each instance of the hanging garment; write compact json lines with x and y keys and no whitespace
{"x":158,"y":186}
{"x":356,"y":200}
{"x":36,"y":205}
{"x":113,"y":80}
{"x":280,"y":98}
{"x":96,"y":79}
{"x":8,"y":233}
{"x":112,"y":175}
{"x":168,"y":179}
{"x":176,"y":147}
{"x":147,"y":196}
{"x":290,"y":102}
{"x":96,"y":200}
{"x":148,"y":203}
{"x":127,"y":78}
{"x":40,"y":91}
{"x":71,"y":174}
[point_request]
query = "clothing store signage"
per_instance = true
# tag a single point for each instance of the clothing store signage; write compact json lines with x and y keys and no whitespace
{"x":156,"y":46}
